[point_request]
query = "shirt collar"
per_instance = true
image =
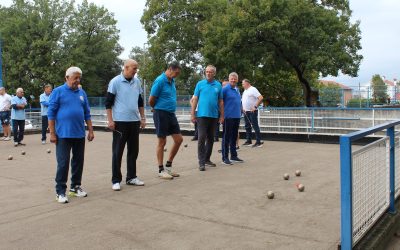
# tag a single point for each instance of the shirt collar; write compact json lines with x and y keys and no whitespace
{"x":67,"y":87}
{"x":166,"y":78}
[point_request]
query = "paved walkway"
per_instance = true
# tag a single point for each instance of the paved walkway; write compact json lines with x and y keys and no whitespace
{"x":222,"y":208}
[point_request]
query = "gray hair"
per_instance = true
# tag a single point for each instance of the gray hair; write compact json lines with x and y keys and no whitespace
{"x":2,"y":88}
{"x":212,"y":67}
{"x":246,"y":80}
{"x":19,"y":90}
{"x":47,"y":86}
{"x":73,"y":70}
{"x":234,"y":74}
{"x":130,"y":61}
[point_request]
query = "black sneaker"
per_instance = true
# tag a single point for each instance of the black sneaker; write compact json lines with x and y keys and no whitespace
{"x":21,"y":144}
{"x":237,"y":148}
{"x":202,"y":168}
{"x":236,"y":159}
{"x":227,"y":162}
{"x":194,"y":139}
{"x":248,"y":143}
{"x":258,"y":144}
{"x":210,"y":164}
{"x":219,"y":150}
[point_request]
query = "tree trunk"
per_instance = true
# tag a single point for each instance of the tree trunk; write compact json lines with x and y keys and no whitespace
{"x":306,"y":87}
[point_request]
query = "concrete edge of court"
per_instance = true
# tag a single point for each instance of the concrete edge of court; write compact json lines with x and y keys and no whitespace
{"x":379,"y":236}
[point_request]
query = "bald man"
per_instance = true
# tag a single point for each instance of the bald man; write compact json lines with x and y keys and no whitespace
{"x":125,"y":115}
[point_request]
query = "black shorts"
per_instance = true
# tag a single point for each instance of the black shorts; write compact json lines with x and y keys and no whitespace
{"x":5,"y":117}
{"x":165,"y":123}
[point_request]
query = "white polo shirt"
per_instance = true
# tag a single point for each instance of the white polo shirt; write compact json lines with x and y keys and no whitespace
{"x":5,"y":102}
{"x":249,"y":98}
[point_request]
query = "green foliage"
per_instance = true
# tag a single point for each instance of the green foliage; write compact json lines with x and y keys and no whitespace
{"x":257,"y":38}
{"x":42,"y":38}
{"x":330,"y":95}
{"x":379,"y":89}
{"x":359,"y":103}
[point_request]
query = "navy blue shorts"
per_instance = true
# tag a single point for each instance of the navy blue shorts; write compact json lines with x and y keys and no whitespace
{"x":5,"y":117}
{"x":165,"y":123}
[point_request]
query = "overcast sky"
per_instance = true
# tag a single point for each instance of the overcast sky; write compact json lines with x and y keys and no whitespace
{"x":380,"y":38}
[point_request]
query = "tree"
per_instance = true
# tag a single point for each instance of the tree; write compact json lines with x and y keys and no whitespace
{"x":330,"y":95}
{"x":379,"y":89}
{"x":296,"y":36}
{"x":42,"y":38}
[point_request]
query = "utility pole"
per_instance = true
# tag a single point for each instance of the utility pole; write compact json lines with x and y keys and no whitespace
{"x":1,"y":64}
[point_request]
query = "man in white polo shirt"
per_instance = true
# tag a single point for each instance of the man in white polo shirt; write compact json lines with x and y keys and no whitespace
{"x":251,"y":99}
{"x":5,"y":113}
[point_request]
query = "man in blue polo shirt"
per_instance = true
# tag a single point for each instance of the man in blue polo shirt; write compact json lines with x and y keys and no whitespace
{"x":18,"y":104}
{"x":67,"y":113}
{"x":163,"y":100}
{"x":233,"y":110}
{"x":208,"y":98}
{"x":44,"y":104}
{"x":125,"y":114}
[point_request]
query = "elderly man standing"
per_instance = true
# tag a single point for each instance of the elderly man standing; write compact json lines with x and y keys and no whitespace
{"x":44,"y":103}
{"x":125,"y":114}
{"x":208,"y":100}
{"x":163,"y":101}
{"x":5,"y":114}
{"x":232,"y":111}
{"x":18,"y":104}
{"x":251,"y":99}
{"x":67,"y":112}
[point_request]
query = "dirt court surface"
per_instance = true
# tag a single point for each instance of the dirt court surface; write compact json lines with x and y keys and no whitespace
{"x":222,"y":208}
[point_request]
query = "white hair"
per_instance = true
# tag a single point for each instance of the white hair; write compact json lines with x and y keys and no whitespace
{"x":212,"y":67}
{"x":19,"y":90}
{"x":72,"y":70}
{"x":234,"y":74}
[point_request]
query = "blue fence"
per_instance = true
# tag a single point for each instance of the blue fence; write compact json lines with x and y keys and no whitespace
{"x":368,"y":181}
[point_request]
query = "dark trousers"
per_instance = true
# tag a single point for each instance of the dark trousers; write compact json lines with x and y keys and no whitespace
{"x":196,"y":132}
{"x":64,"y":147}
{"x":206,"y":130}
{"x":251,"y":120}
{"x":125,"y":133}
{"x":216,"y":136}
{"x":18,"y":130}
{"x":229,"y":136}
{"x":45,"y":125}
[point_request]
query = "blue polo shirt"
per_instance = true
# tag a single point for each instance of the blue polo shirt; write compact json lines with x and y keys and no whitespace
{"x":18,"y":114}
{"x":208,"y":94}
{"x":165,"y":92}
{"x":125,"y":107}
{"x":232,"y":102}
{"x":70,"y":109}
{"x":44,"y":103}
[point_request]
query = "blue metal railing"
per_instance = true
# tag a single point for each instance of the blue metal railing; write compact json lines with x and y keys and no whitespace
{"x":346,"y":177}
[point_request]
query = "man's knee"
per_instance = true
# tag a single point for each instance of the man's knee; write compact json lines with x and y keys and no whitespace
{"x":162,"y":141}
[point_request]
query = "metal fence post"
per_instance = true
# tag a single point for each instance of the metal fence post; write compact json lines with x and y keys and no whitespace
{"x":390,"y":133}
{"x":346,"y":200}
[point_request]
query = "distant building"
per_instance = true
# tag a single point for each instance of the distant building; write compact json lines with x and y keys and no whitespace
{"x":347,"y":92}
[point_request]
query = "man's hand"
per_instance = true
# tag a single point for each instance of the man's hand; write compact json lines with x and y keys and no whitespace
{"x":142,"y":123}
{"x":111,"y":125}
{"x":53,"y":138}
{"x":90,"y":136}
{"x":193,"y":118}
{"x":221,"y":120}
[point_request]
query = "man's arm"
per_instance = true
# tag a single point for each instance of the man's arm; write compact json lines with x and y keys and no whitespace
{"x":259,"y":100}
{"x":221,"y":111}
{"x":141,"y":111}
{"x":53,"y":135}
{"x":109,"y":103}
{"x":152,"y":101}
{"x":194,"y":101}
{"x":90,"y":136}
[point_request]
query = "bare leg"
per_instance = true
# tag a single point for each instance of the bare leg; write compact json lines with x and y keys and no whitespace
{"x":160,"y":150}
{"x":178,"y":139}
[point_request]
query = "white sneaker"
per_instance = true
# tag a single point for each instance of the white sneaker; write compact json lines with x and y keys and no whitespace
{"x":165,"y":175}
{"x":135,"y":182}
{"x":43,"y":142}
{"x":7,"y":138}
{"x":2,"y":138}
{"x":169,"y":171}
{"x":77,"y":192}
{"x":61,"y":198}
{"x":116,"y":186}
{"x":15,"y":144}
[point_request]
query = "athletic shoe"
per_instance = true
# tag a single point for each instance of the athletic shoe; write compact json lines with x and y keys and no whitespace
{"x":237,"y":148}
{"x":21,"y":144}
{"x":165,"y":175}
{"x":169,"y":171}
{"x":258,"y":144}
{"x":227,"y":162}
{"x":219,"y":150}
{"x":15,"y":144}
{"x":202,"y":168}
{"x":2,"y":138}
{"x":43,"y":142}
{"x":61,"y":198}
{"x":210,"y":164}
{"x":194,"y":139}
{"x":116,"y":186}
{"x":77,"y":192}
{"x":248,"y":144}
{"x":7,"y":138}
{"x":135,"y":182}
{"x":236,"y":159}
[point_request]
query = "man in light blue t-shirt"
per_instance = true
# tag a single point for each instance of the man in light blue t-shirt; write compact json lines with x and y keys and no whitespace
{"x":18,"y":104}
{"x":44,"y":104}
{"x":208,"y":100}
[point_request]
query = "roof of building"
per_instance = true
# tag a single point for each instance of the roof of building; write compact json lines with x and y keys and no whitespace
{"x":327,"y":82}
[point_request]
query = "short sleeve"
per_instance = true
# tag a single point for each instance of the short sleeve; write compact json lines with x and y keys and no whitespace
{"x":13,"y":101}
{"x":112,"y":88}
{"x":156,"y":88}
{"x":256,"y":93}
{"x":197,"y":90}
{"x":221,"y":93}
